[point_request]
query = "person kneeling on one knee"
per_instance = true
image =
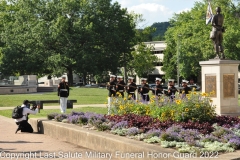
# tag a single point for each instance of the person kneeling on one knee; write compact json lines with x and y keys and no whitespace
{"x":22,"y":123}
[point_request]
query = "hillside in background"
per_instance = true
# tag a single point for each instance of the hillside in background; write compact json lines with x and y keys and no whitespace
{"x":161,"y":28}
{"x":158,"y":35}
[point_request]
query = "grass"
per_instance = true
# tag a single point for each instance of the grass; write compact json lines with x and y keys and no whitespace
{"x":82,"y":95}
{"x":44,"y":113}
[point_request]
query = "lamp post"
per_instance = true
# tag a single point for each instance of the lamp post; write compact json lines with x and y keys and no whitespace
{"x":178,"y":53}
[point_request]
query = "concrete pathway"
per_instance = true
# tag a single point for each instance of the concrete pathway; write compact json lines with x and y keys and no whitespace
{"x":34,"y":146}
{"x":57,"y":107}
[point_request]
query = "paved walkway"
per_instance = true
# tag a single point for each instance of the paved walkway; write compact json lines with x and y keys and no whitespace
{"x":33,"y":146}
{"x":57,"y":107}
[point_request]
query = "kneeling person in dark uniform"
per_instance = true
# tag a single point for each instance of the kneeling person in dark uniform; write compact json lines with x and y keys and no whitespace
{"x":131,"y":89}
{"x":22,"y":123}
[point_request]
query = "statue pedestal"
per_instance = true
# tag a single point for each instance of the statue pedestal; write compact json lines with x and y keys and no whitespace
{"x":221,"y":78}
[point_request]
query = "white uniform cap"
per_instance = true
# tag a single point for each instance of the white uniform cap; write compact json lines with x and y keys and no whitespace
{"x":158,"y":79}
{"x":130,"y":78}
{"x":120,"y":77}
{"x":170,"y":80}
{"x":143,"y":79}
{"x":184,"y":81}
{"x":112,"y":76}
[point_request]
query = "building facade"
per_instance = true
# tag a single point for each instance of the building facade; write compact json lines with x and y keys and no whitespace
{"x":159,"y":47}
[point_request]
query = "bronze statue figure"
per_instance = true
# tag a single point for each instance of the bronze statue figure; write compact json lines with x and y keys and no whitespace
{"x":217,"y":33}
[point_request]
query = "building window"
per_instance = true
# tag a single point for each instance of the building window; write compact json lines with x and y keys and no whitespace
{"x":157,"y":52}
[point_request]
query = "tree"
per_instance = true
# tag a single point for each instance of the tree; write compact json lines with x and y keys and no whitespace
{"x":88,"y":37}
{"x":143,"y":60}
{"x":189,"y":35}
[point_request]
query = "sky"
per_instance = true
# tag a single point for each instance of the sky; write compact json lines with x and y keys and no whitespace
{"x":156,"y":10}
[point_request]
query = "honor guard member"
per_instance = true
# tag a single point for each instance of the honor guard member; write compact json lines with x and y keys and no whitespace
{"x":131,"y":89}
{"x":171,"y":89}
{"x":144,"y":91}
{"x":185,"y":89}
{"x":63,"y":93}
{"x":120,"y":86}
{"x":111,"y":91}
{"x":158,"y":89}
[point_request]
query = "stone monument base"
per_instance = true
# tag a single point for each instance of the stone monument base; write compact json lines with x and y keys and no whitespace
{"x":220,"y":78}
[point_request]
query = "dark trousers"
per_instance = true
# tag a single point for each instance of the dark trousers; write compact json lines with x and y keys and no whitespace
{"x":131,"y":96}
{"x":24,"y":126}
{"x":145,"y":98}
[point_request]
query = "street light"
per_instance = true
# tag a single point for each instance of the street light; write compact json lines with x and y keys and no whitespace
{"x":178,"y":53}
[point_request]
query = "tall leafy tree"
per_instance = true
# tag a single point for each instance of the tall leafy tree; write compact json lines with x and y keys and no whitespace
{"x":188,"y":39}
{"x":143,"y":60}
{"x":52,"y":36}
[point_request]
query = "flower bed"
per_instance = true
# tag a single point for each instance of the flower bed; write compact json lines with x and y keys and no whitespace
{"x":188,"y":124}
{"x":184,"y":136}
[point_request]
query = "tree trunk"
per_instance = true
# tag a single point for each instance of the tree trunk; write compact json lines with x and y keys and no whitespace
{"x":70,"y":76}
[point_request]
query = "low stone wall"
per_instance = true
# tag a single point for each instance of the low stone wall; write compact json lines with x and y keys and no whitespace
{"x":18,"y":89}
{"x":121,"y":148}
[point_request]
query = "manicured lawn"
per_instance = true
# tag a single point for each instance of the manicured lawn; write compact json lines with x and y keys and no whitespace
{"x":82,"y":95}
{"x":43,"y":113}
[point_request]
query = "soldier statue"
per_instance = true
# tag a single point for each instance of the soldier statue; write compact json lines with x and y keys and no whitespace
{"x":217,"y":33}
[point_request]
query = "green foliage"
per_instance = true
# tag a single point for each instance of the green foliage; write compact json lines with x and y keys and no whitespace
{"x":82,"y":95}
{"x":194,"y":106}
{"x":143,"y":60}
{"x":51,"y":37}
{"x":152,"y":140}
{"x":188,"y":34}
{"x":161,"y":28}
{"x":120,"y":131}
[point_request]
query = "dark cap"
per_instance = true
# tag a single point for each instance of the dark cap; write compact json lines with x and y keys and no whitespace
{"x":25,"y":101}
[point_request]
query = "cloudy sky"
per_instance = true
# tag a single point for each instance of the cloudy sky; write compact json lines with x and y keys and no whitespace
{"x":156,"y":10}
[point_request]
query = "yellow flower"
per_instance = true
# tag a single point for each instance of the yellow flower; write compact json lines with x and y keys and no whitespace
{"x":204,"y":94}
{"x":197,"y":105}
{"x":194,"y":93}
{"x":194,"y":89}
{"x":163,"y":115}
{"x":210,"y":100}
{"x":178,"y":101}
{"x":187,"y":95}
{"x":186,"y":109}
{"x":125,"y":99}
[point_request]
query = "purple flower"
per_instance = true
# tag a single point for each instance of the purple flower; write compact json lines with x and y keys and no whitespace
{"x":76,"y":113}
{"x":153,"y":132}
{"x":73,"y":119}
{"x":237,"y":126}
{"x":174,"y":128}
{"x":210,"y":138}
{"x":132,"y":131}
{"x":235,"y":142}
{"x":190,"y":140}
{"x":122,"y":124}
{"x":60,"y":117}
